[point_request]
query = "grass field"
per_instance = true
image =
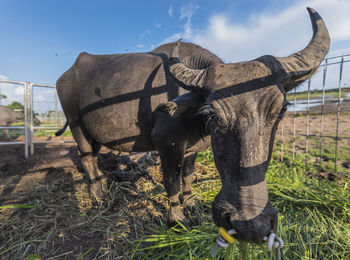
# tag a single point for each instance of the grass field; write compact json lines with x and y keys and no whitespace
{"x":46,"y":211}
{"x":57,"y":220}
{"x":15,"y":133}
{"x":330,"y":93}
{"x":314,"y":219}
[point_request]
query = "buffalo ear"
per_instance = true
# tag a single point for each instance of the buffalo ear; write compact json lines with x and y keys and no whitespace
{"x":181,"y":104}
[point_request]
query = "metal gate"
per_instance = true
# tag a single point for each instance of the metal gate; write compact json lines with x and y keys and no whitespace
{"x":29,"y":126}
{"x":287,"y":136}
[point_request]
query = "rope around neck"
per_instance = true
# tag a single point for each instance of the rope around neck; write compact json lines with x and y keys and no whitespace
{"x":225,"y":238}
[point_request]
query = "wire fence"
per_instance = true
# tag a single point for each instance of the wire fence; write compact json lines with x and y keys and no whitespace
{"x":316,"y":128}
{"x":315,"y":131}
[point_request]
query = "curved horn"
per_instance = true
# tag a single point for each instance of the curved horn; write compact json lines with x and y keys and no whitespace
{"x":187,"y":78}
{"x":303,"y":64}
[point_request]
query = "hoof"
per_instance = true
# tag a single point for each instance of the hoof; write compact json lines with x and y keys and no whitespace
{"x":97,"y":190}
{"x":176,"y":216}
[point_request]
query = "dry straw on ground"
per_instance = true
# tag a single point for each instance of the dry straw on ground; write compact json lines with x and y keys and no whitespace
{"x":64,"y":223}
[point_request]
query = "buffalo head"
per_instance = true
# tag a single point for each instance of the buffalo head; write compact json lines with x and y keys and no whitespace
{"x":244,"y":103}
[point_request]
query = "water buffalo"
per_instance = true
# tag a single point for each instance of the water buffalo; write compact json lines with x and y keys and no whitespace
{"x":8,"y":117}
{"x":153,"y":101}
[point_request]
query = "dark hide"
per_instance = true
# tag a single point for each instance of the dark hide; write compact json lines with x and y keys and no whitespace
{"x":126,"y":102}
{"x":112,"y":100}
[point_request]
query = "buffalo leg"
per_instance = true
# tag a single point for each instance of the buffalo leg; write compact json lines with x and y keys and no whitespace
{"x":172,"y":160}
{"x":171,"y":155}
{"x":96,"y":147}
{"x":88,"y":161}
{"x":187,"y":178}
{"x":168,"y":138}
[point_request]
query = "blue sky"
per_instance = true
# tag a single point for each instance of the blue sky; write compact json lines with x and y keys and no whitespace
{"x":41,"y":39}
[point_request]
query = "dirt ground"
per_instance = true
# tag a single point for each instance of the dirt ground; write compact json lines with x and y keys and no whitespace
{"x":313,"y":141}
{"x":65,"y":222}
{"x":314,"y":122}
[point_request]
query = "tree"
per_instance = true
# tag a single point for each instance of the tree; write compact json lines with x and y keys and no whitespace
{"x":2,"y":96}
{"x":16,"y":106}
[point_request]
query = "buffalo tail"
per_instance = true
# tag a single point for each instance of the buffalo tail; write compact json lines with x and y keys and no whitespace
{"x":61,"y":131}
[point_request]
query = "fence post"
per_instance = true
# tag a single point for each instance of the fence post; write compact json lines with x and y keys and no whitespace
{"x":31,"y":118}
{"x":282,"y":140}
{"x":322,"y":107}
{"x":26,"y":132}
{"x":338,"y":113}
{"x":294,"y":114}
{"x":0,"y":94}
{"x":56,"y":108}
{"x":307,"y":124}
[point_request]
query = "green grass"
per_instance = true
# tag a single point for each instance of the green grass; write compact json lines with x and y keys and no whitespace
{"x":18,"y":206}
{"x":20,"y":244}
{"x":327,"y":163}
{"x":43,"y":132}
{"x":314,"y":215}
{"x":15,"y":133}
{"x":314,"y":219}
{"x":333,"y":93}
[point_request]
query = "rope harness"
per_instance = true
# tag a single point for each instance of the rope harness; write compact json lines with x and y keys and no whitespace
{"x":225,"y":238}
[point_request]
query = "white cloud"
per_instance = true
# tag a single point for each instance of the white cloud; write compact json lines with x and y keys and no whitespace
{"x":2,"y":77}
{"x":19,"y":91}
{"x":339,"y":52}
{"x":157,"y":25}
{"x":186,"y":13}
{"x":144,"y":34}
{"x":43,"y":98}
{"x":173,"y":38}
{"x":12,"y":92}
{"x":277,"y":33}
{"x":43,"y":95}
{"x":170,"y":11}
{"x":140,"y":46}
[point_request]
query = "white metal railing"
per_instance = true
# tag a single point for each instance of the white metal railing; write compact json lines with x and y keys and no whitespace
{"x":29,"y":118}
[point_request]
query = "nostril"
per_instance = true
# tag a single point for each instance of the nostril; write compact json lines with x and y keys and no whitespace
{"x":273,"y":225}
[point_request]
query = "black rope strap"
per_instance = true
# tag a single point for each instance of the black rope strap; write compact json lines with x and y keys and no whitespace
{"x":85,"y":154}
{"x":174,"y":204}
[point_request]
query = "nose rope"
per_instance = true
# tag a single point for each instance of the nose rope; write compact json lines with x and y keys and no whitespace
{"x":225,"y":238}
{"x":273,"y":242}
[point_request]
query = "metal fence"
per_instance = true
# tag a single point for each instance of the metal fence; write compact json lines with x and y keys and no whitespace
{"x":314,"y":130}
{"x":311,"y":131}
{"x":57,"y":118}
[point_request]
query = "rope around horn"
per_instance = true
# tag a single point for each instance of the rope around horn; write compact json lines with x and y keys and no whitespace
{"x":225,"y":238}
